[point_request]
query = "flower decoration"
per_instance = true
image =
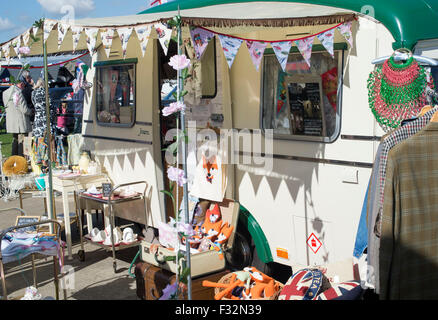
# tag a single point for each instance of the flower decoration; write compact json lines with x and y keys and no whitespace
{"x":170,"y":292}
{"x":176,"y":175}
{"x":186,"y":229}
{"x":179,"y":62}
{"x":173,"y":108}
{"x":24,"y":50}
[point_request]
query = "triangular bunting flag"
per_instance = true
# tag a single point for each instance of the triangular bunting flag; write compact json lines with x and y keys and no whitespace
{"x":26,"y":37}
{"x":282,"y":50}
{"x":16,"y":44}
{"x":6,"y":47}
{"x":256,"y":50}
{"x":164,"y":34}
{"x":305,"y":47}
{"x":92,"y":34}
{"x":345,"y":30}
{"x":62,"y":31}
{"x":200,"y":40}
{"x":48,"y":27}
{"x":230,"y":47}
{"x":76,"y":34}
{"x":327,"y":39}
{"x":107,"y":36}
{"x":35,"y":31}
{"x":143,"y":34}
{"x":124,"y":35}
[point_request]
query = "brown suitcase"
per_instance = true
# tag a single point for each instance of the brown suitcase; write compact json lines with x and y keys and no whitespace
{"x":152,"y":280}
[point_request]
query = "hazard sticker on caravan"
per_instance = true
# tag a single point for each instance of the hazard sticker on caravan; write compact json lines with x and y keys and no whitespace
{"x":314,"y":243}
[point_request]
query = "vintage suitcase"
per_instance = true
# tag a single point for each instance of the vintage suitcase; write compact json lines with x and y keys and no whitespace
{"x":152,"y":280}
{"x":201,"y":263}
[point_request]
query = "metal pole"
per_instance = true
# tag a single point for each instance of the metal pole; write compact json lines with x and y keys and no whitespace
{"x":49,"y":136}
{"x":184,"y":156}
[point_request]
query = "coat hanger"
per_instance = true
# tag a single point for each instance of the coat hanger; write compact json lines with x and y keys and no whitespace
{"x":404,"y":54}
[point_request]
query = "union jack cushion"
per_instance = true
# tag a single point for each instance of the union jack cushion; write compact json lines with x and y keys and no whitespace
{"x":303,"y":285}
{"x":344,"y":291}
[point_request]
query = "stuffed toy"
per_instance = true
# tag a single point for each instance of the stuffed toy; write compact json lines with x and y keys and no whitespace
{"x":260,"y":290}
{"x":213,"y":223}
{"x":257,"y":276}
{"x":226,"y":232}
{"x":238,"y":279}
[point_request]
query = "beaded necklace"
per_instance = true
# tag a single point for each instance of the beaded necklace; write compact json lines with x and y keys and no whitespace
{"x":397,"y":91}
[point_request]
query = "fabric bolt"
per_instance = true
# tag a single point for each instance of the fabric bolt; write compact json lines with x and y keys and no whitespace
{"x":75,"y":144}
{"x":409,"y":232}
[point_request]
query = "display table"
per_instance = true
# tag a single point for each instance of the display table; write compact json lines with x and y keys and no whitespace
{"x":64,"y":185}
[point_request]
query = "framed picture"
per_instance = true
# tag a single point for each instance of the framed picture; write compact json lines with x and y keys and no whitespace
{"x":23,"y":220}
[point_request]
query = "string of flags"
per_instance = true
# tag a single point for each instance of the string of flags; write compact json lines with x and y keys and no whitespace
{"x":200,"y":38}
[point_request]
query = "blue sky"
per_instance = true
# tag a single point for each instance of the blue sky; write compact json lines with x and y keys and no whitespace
{"x":18,"y":16}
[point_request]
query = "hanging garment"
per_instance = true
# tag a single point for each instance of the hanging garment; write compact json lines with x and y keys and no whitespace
{"x":40,"y":121}
{"x":409,"y":233}
{"x":361,"y":242}
{"x":75,"y":144}
{"x":61,"y":156}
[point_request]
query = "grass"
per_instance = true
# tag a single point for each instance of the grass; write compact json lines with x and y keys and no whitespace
{"x":6,"y":140}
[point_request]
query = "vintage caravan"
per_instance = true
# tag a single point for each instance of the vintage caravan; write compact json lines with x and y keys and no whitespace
{"x":306,"y":181}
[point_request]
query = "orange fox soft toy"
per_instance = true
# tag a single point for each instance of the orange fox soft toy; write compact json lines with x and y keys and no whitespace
{"x":213,"y":223}
{"x":226,"y":232}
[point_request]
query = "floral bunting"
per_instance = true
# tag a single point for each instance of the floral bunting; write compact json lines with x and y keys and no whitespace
{"x":256,"y":50}
{"x":282,"y":50}
{"x":164,"y":34}
{"x":62,"y":31}
{"x":16,"y":44}
{"x":305,"y":48}
{"x":200,"y":40}
{"x":230,"y":47}
{"x":107,"y":35}
{"x":345,"y":30}
{"x":48,"y":27}
{"x":143,"y":34}
{"x":124,"y":35}
{"x":91,"y":34}
{"x":327,"y":39}
{"x":76,"y":33}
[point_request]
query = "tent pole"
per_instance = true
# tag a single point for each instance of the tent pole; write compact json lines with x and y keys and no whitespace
{"x":48,"y":135}
{"x":184,"y":156}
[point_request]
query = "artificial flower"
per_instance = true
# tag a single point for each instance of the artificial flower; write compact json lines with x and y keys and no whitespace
{"x":24,"y":50}
{"x":179,"y":62}
{"x":173,"y":107}
{"x":170,"y":292}
{"x":177,"y":175}
{"x":186,"y":229}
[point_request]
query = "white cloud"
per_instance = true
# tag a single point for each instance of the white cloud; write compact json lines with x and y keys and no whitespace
{"x":5,"y":24}
{"x":63,"y":6}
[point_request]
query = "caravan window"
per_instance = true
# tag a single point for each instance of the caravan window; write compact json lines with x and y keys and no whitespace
{"x":302,"y":103}
{"x":115,"y":94}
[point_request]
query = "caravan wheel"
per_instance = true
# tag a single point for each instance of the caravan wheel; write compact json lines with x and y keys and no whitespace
{"x":240,"y":255}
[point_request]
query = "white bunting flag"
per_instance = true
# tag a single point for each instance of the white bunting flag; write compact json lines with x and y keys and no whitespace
{"x":164,"y":34}
{"x":26,"y":37}
{"x":230,"y":46}
{"x":91,"y":34}
{"x":107,"y":36}
{"x":76,"y":34}
{"x":124,"y":35}
{"x":48,"y":27}
{"x":327,"y":39}
{"x":16,"y":44}
{"x":281,"y":50}
{"x":143,"y":34}
{"x":345,"y":30}
{"x":62,"y":31}
{"x":35,"y":31}
{"x":305,"y":47}
{"x":6,"y":51}
{"x":200,"y":39}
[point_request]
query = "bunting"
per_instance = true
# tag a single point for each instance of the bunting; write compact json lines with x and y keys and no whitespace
{"x":6,"y":51}
{"x":26,"y":37}
{"x":48,"y":27}
{"x":124,"y":35}
{"x":230,"y":47}
{"x":305,"y":48}
{"x":91,"y":34}
{"x":164,"y":34}
{"x":76,"y":33}
{"x":62,"y":31}
{"x":256,"y":50}
{"x":16,"y":44}
{"x":107,"y":36}
{"x":345,"y":30}
{"x":200,"y":39}
{"x":35,"y":31}
{"x":143,"y":34}
{"x":281,"y":50}
{"x":327,"y":39}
